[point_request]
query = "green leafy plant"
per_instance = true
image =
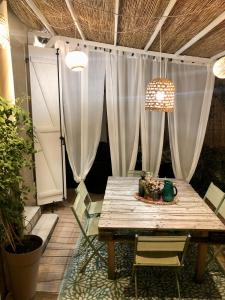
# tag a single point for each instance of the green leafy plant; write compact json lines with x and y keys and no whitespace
{"x":16,"y":147}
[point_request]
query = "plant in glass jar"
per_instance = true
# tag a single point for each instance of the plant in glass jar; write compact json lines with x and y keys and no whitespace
{"x":153,"y":188}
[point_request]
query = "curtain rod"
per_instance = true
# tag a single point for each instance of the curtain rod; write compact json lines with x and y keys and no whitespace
{"x":192,"y":59}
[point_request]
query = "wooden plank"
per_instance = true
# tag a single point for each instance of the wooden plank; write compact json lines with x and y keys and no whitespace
{"x":50,"y":272}
{"x":55,"y":260}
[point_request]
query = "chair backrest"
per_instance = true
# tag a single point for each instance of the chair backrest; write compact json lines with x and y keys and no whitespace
{"x":176,"y":244}
{"x":79,"y":206}
{"x":81,"y":189}
{"x":221,"y":210}
{"x":215,"y":196}
{"x":134,"y":173}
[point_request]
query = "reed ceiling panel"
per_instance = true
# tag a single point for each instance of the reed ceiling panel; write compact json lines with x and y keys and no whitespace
{"x":138,"y":20}
{"x":212,"y":44}
{"x":58,"y":16}
{"x":96,"y":19}
{"x":188,"y":18}
{"x":25,"y":14}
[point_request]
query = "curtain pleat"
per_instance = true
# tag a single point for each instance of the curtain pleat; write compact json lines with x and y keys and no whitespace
{"x":82,"y":96}
{"x":187,"y":124}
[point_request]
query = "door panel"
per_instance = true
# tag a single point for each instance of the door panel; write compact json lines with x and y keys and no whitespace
{"x":46,"y":121}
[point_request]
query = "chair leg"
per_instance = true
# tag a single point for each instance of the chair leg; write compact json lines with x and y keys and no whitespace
{"x":96,"y":251}
{"x":90,"y":257}
{"x":214,"y":255}
{"x":135,"y":283}
{"x":178,"y":284}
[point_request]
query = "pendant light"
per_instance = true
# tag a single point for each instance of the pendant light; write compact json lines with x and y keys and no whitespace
{"x":160,"y":92}
{"x":76,"y":60}
{"x":219,"y":68}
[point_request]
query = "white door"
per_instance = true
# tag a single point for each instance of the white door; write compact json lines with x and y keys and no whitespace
{"x":49,"y":158}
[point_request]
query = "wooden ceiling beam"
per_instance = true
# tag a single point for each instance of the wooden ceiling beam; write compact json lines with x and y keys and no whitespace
{"x":160,"y":23}
{"x":74,"y":17}
{"x":116,"y":18}
{"x":40,"y":16}
{"x":218,"y":55}
{"x":202,"y":33}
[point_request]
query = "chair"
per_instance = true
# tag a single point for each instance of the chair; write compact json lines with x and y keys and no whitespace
{"x":90,"y":231}
{"x":214,"y":196}
{"x":221,"y":214}
{"x":134,"y":173}
{"x":93,"y":207}
{"x":161,"y":251}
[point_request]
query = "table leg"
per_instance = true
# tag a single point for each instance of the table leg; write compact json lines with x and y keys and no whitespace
{"x":201,"y":260}
{"x":111,"y":259}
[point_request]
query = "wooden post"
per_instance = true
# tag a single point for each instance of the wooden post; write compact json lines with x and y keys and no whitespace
{"x":111,"y":259}
{"x":201,"y":259}
{"x":6,"y":71}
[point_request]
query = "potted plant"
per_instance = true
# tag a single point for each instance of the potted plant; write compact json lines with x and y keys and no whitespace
{"x":20,"y":252}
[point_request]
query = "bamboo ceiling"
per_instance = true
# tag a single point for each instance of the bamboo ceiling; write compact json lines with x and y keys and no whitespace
{"x":137,"y":20}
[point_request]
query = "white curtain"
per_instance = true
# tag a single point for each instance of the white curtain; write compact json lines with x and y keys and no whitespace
{"x":152,"y":123}
{"x":187,"y":124}
{"x":123,"y":74}
{"x":82,"y":96}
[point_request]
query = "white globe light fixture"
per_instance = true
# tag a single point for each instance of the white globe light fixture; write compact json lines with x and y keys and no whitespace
{"x":219,"y":68}
{"x":76,"y":60}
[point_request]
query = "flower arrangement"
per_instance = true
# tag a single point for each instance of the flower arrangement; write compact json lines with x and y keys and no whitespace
{"x":152,"y":188}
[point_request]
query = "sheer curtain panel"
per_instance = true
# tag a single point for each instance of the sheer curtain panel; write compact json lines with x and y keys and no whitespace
{"x":82,"y":96}
{"x":123,"y":74}
{"x":187,"y":124}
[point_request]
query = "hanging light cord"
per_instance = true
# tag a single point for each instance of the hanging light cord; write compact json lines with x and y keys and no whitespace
{"x":160,"y":50}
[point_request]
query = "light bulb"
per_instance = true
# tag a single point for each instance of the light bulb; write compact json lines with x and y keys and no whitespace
{"x":219,"y":68}
{"x":76,"y":60}
{"x":160,"y":95}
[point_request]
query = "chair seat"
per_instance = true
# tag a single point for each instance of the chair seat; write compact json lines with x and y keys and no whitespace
{"x":95,"y":207}
{"x":92,"y":228}
{"x":157,"y":259}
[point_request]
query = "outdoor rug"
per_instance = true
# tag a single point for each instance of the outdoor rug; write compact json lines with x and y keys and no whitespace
{"x":153,"y":283}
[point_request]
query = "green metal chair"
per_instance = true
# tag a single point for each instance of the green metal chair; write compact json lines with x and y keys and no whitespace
{"x":88,"y":226}
{"x":214,"y":196}
{"x":134,"y":173}
{"x":161,"y":251}
{"x":221,"y":214}
{"x":93,"y":207}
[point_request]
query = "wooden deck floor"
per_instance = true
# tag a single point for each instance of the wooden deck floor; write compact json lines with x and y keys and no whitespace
{"x":59,"y":251}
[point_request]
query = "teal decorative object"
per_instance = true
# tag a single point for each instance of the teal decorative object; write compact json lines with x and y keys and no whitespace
{"x":169,"y":191}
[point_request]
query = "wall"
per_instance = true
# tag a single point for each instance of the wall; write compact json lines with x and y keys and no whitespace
{"x":215,"y":133}
{"x":18,"y":39}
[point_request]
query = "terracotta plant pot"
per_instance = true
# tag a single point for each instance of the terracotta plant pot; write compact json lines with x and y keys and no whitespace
{"x":22,"y":267}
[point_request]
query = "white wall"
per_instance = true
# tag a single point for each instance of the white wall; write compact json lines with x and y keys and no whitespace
{"x":18,"y":39}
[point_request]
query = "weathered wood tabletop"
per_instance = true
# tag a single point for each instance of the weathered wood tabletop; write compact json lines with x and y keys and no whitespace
{"x":122,"y":212}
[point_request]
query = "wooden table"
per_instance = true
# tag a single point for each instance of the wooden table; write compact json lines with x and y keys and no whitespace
{"x":121,"y":212}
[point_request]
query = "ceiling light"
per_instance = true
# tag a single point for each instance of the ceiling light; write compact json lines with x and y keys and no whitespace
{"x":160,"y":93}
{"x":219,"y":68}
{"x":76,"y":60}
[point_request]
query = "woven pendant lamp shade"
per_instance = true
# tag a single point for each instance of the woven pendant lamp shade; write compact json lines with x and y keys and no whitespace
{"x":160,"y":94}
{"x":219,"y":68}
